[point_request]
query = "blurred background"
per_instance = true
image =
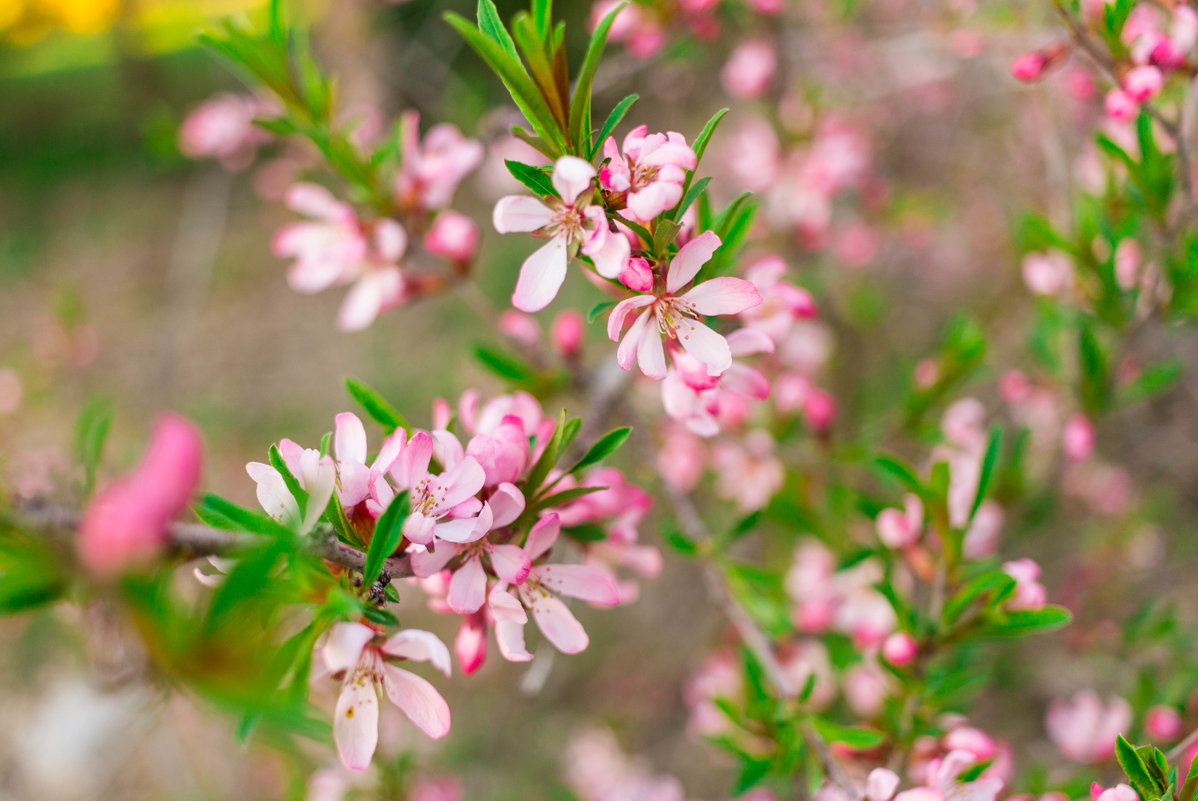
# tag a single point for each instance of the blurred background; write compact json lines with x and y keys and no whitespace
{"x":130,"y":271}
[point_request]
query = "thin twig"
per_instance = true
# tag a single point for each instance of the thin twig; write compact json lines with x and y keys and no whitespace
{"x":196,"y":539}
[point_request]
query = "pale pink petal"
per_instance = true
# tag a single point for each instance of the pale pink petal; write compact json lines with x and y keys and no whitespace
{"x":578,"y":581}
{"x":313,"y":200}
{"x":447,"y":449}
{"x":510,"y":637}
{"x":504,"y":607}
{"x":343,"y":645}
{"x":724,"y":295}
{"x":615,"y":320}
{"x":541,"y":275}
{"x":412,"y":467}
{"x":655,"y":198}
{"x":320,"y":486}
{"x":379,"y":289}
{"x":429,"y":563}
{"x":356,"y":723}
{"x":466,"y":529}
{"x":571,"y":177}
{"x":423,"y":646}
{"x":705,"y":345}
{"x":390,"y":451}
{"x":276,"y":500}
{"x":748,"y":341}
{"x":521,"y":214}
{"x":507,"y":503}
{"x":747,"y":381}
{"x":349,"y":438}
{"x":390,"y":240}
{"x":464,"y":480}
{"x":650,"y":353}
{"x":354,"y":481}
{"x":419,"y":529}
{"x":558,"y":624}
{"x":467,"y":587}
{"x":611,"y":257}
{"x":626,"y":352}
{"x":691,"y":256}
{"x":418,"y":699}
{"x":542,"y":536}
{"x":511,"y":563}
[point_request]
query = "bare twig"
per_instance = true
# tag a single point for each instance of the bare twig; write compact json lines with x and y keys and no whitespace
{"x":195,"y":539}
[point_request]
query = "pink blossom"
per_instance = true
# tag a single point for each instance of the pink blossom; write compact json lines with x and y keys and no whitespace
{"x":648,"y":173}
{"x":750,"y":68}
{"x":317,"y":476}
{"x":452,"y":236}
{"x":597,"y":770}
{"x":899,"y":529}
{"x":443,"y":789}
{"x":1029,"y":592}
{"x":677,"y":315}
{"x":539,"y":592}
{"x":569,"y":221}
{"x":1162,"y":723}
{"x":637,"y":275}
{"x":699,"y":401}
{"x":334,"y":248}
{"x":223,"y":127}
{"x":1047,"y":273}
{"x":125,"y":524}
{"x":807,"y":661}
{"x":1077,"y":438}
{"x":749,"y":472}
{"x":900,"y":648}
{"x":942,"y":783}
{"x":782,"y":303}
{"x":431,"y":170}
{"x":434,"y":498}
{"x":1121,"y":106}
{"x":521,"y":327}
{"x":369,"y":670}
{"x":881,"y":784}
{"x":567,"y":332}
{"x":1128,"y":255}
{"x":1142,"y":83}
{"x":1120,"y":792}
{"x":1028,"y":67}
{"x":1084,"y":728}
{"x":865,"y":689}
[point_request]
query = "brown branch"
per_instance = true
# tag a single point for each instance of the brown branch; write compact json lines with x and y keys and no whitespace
{"x":196,"y":539}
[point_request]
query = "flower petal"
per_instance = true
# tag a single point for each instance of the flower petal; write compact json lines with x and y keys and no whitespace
{"x":520,"y":214}
{"x":691,"y":256}
{"x":418,"y":699}
{"x":510,"y":636}
{"x":578,"y":581}
{"x":541,"y":275}
{"x":650,"y":353}
{"x":631,"y":342}
{"x":724,"y":295}
{"x":705,"y":345}
{"x":511,"y":563}
{"x":557,"y":623}
{"x":615,"y":320}
{"x":276,"y":500}
{"x":343,"y":645}
{"x":542,"y":536}
{"x":429,"y":563}
{"x":456,"y":485}
{"x":423,"y":646}
{"x":467,"y":587}
{"x":356,"y":722}
{"x":507,"y":503}
{"x":571,"y":177}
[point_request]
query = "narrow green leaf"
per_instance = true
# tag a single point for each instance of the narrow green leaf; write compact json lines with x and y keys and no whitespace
{"x":585,"y":532}
{"x":293,"y":485}
{"x":599,"y":309}
{"x":704,"y":137}
{"x":680,"y":542}
{"x":564,"y":497}
{"x":994,"y":583}
{"x":897,"y":470}
{"x":580,"y":104}
{"x":987,"y":472}
{"x":491,"y":25}
{"x":608,"y":444}
{"x":387,"y":533}
{"x":852,"y":736}
{"x":1133,"y":765}
{"x":373,"y":403}
{"x":504,"y":365}
{"x":609,"y":125}
{"x":1028,"y":621}
{"x":536,"y":476}
{"x":692,"y":195}
{"x":222,"y":513}
{"x":91,"y":432}
{"x":542,"y":15}
{"x":532,"y":177}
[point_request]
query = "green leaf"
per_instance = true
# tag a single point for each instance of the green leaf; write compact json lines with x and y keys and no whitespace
{"x":897,"y":470}
{"x":994,"y":583}
{"x":532,"y":177}
{"x":387,"y":533}
{"x":580,"y":104}
{"x":585,"y":532}
{"x":608,"y":444}
{"x":379,"y":410}
{"x":542,"y":15}
{"x":987,"y":472}
{"x":1153,"y":380}
{"x":91,"y":431}
{"x":609,"y":125}
{"x":491,"y":25}
{"x":704,"y":137}
{"x":221,"y":513}
{"x":536,"y":476}
{"x":1137,"y":772}
{"x":293,"y":485}
{"x":692,"y":195}
{"x":504,"y":365}
{"x":852,"y":736}
{"x":600,"y":308}
{"x":1018,"y":623}
{"x":680,"y":542}
{"x":563,"y":497}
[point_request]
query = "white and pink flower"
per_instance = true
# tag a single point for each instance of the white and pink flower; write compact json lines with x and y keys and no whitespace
{"x":649,"y":172}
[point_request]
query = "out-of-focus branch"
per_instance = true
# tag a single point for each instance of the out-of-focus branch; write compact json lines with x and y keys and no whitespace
{"x":196,"y":539}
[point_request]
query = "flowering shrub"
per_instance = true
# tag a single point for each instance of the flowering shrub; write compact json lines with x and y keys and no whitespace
{"x":875,"y":555}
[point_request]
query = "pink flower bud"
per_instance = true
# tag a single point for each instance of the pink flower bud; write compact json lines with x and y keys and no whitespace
{"x":1127,"y":263}
{"x":1080,"y":84}
{"x":1029,"y":593}
{"x":1028,"y":67}
{"x":520,"y":327}
{"x":927,"y":372}
{"x":1143,"y":83}
{"x":471,"y":644}
{"x":567,"y":331}
{"x":820,"y":409}
{"x":899,"y":648}
{"x":1120,"y":792}
{"x":452,"y":236}
{"x":126,"y":524}
{"x":766,"y":6}
{"x":637,"y":275}
{"x":750,"y":69}
{"x":1120,"y":106}
{"x":1162,"y":723}
{"x":503,"y":453}
{"x":1077,"y":438}
{"x":1047,"y":273}
{"x":1014,"y":387}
